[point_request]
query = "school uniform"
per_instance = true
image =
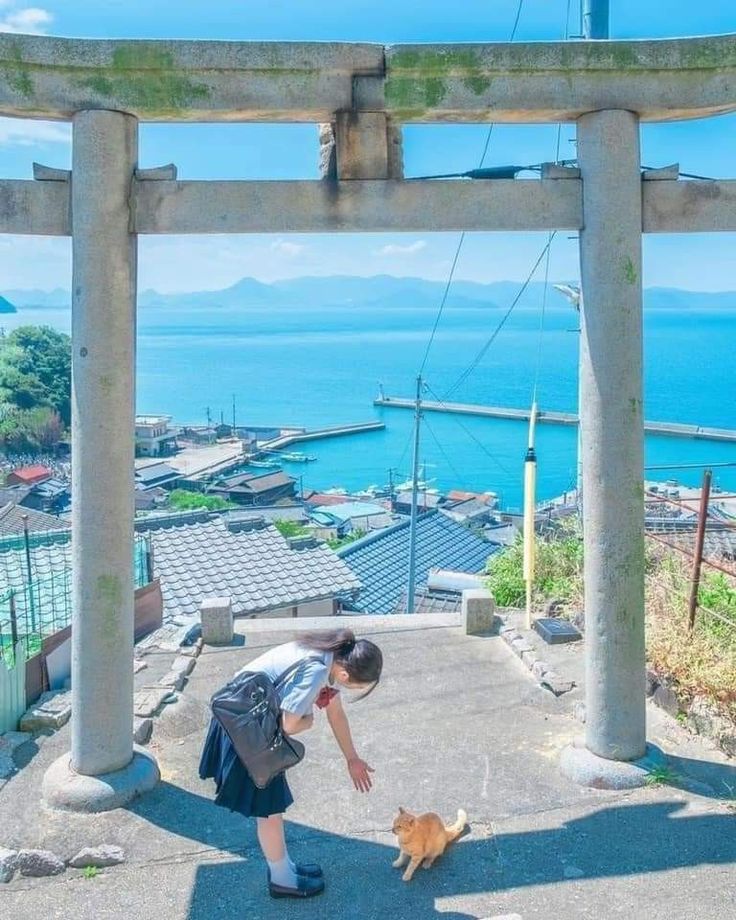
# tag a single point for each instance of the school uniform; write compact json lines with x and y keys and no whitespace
{"x":298,"y":694}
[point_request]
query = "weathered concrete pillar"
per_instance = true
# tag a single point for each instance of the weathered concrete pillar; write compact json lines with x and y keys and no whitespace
{"x":103,"y":399}
{"x":611,"y":421}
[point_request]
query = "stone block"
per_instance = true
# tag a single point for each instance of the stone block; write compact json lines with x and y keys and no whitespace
{"x":173,"y":680}
{"x":529,"y":658}
{"x":478,"y":611}
{"x":216,"y":614}
{"x":540,"y":668}
{"x":520,"y":645}
{"x":148,"y":701}
{"x":142,"y":730}
{"x":7,"y":766}
{"x":8,"y":864}
{"x":99,"y":857}
{"x":666,"y":698}
{"x":652,"y":681}
{"x":327,"y":152}
{"x":183,"y":664}
{"x":557,"y":684}
{"x":52,"y":710}
{"x":39,"y":863}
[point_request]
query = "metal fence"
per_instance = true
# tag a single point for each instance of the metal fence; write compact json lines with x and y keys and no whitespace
{"x":36,"y":587}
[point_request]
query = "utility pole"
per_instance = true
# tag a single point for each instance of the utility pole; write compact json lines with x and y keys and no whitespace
{"x":410,"y":592}
{"x":391,"y":494}
{"x":233,"y":414}
{"x":209,"y":417}
{"x":595,"y":19}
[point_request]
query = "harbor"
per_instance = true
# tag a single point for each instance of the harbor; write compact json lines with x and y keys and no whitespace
{"x":665,"y":429}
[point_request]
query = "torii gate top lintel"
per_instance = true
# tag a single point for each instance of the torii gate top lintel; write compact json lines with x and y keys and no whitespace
{"x":221,"y":81}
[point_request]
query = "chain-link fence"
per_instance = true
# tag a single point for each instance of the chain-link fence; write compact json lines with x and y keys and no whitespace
{"x":36,"y":586}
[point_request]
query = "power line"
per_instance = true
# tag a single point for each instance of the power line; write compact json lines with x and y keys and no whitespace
{"x":459,"y":247}
{"x":441,"y":449}
{"x":470,"y":434}
{"x":483,"y":351}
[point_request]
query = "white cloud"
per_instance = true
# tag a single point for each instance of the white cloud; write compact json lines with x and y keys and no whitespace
{"x":24,"y":132}
{"x":396,"y":249}
{"x":287,"y":248}
{"x":30,"y":19}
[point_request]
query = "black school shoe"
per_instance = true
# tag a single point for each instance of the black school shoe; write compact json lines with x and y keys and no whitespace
{"x":306,"y":887}
{"x":309,"y":870}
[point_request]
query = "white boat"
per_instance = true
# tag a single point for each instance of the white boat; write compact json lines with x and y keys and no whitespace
{"x":296,"y":457}
{"x":263,"y":464}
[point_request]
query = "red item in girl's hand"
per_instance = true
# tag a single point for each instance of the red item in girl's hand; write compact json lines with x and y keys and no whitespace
{"x":324,"y":697}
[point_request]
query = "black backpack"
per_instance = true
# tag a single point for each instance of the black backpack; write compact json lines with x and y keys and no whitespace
{"x":249,"y":711}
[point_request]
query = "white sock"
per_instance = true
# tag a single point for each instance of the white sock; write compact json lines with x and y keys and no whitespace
{"x":283,"y":872}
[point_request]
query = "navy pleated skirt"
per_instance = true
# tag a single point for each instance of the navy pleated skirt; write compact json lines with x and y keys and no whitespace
{"x":234,"y":787}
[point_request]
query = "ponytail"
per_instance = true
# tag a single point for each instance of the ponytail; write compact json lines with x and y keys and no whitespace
{"x":361,"y":658}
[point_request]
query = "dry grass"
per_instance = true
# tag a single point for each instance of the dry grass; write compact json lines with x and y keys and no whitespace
{"x":702,"y":663}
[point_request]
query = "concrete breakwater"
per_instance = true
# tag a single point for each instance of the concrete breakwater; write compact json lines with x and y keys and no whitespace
{"x":666,"y":429}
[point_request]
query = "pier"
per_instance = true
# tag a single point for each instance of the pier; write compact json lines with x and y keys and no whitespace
{"x":298,"y":437}
{"x":665,"y":429}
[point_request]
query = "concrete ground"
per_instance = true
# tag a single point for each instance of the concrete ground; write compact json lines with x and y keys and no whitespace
{"x":457,"y":722}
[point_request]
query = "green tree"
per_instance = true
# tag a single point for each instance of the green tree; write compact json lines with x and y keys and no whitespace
{"x":183,"y":500}
{"x":35,"y":370}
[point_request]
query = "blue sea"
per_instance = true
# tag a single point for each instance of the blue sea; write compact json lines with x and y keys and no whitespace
{"x":320,"y":367}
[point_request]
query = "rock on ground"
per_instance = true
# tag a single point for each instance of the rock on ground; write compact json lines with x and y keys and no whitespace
{"x":38,"y":863}
{"x":99,"y":857}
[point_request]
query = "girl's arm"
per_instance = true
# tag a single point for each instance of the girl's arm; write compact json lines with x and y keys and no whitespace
{"x":292,"y":723}
{"x":357,"y":768}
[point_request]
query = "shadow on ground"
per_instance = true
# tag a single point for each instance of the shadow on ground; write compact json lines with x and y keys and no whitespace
{"x":615,"y":841}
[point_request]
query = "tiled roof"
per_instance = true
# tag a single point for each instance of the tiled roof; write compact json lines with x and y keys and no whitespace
{"x":346,"y":511}
{"x":156,"y":472}
{"x":12,"y":523}
{"x":250,"y":482}
{"x":321,"y":498}
{"x":30,"y":474}
{"x":251,"y":563}
{"x":380,"y":560}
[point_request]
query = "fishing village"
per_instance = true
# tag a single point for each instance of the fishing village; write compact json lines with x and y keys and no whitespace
{"x":476,"y":473}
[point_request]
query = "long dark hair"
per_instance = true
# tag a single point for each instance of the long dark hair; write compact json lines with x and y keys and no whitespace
{"x":361,"y":658}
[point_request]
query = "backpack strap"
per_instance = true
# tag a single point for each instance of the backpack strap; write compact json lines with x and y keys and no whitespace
{"x":294,"y":667}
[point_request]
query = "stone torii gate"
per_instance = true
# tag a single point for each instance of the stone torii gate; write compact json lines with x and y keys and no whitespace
{"x":360,"y":94}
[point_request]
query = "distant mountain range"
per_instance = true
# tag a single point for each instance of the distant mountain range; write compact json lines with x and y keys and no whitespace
{"x":351,"y":291}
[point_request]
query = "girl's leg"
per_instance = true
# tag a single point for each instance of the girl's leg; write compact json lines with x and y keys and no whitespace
{"x":273,"y":845}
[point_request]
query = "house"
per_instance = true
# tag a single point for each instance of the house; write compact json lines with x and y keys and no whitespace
{"x":198,"y":434}
{"x":469,"y":511}
{"x":352,"y":516}
{"x":51,"y":496}
{"x":255,"y":488}
{"x":28,"y":475}
{"x":426,"y":501}
{"x":460,"y":495}
{"x":316,"y":499}
{"x":157,"y":475}
{"x":153,"y":436}
{"x":149,"y":499}
{"x":14,"y":520}
{"x":265,"y":574}
{"x":380,"y":560}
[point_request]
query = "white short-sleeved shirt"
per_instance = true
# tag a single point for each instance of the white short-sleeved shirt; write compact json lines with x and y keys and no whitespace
{"x":299,"y":691}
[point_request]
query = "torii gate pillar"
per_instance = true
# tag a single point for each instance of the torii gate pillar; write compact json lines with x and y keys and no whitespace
{"x":102,"y":770}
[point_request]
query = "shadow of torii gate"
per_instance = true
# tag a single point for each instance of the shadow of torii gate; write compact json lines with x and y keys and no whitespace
{"x":360,"y":94}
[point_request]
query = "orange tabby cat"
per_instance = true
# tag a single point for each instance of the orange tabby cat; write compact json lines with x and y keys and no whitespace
{"x":422,"y":838}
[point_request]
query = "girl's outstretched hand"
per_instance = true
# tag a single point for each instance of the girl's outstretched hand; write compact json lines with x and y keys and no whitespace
{"x":360,"y":773}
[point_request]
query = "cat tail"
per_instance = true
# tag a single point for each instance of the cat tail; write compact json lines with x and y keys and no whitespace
{"x":454,"y":830}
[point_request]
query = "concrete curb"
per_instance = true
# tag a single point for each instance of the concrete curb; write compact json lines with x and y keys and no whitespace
{"x":541,"y":670}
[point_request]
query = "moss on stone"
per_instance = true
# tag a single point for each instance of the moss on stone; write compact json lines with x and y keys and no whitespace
{"x":417,"y":79}
{"x":146,"y":79}
{"x":630,"y":275}
{"x":16,"y":72}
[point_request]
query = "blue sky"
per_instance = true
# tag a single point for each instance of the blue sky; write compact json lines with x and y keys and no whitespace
{"x":699,"y":262}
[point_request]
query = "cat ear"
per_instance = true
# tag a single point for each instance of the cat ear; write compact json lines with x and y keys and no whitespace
{"x":401,"y":810}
